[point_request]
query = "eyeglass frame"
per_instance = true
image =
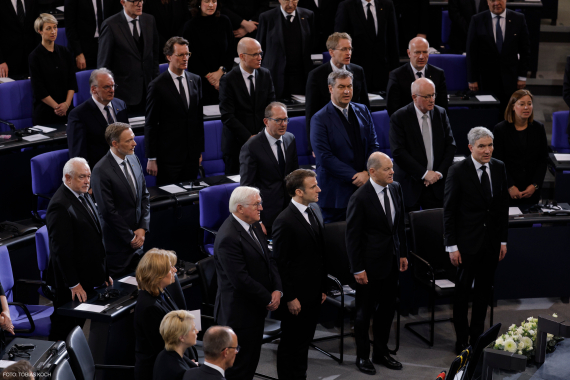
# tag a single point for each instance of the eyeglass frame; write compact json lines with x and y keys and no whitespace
{"x":189,"y":54}
{"x":427,"y":97}
{"x":345,"y":49}
{"x":257,"y":204}
{"x":237,"y":348}
{"x":135,"y":2}
{"x":280,"y":121}
{"x":107,"y":88}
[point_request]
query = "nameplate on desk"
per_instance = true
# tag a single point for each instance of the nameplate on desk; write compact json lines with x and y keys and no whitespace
{"x":172,"y":189}
{"x":317,"y":57}
{"x":486,"y":98}
{"x":129,"y":280}
{"x":35,"y":138}
{"x":444,"y":284}
{"x":373,"y":97}
{"x":458,"y":158}
{"x":298,"y":98}
{"x":213,"y":110}
{"x":195,"y":187}
{"x":560,"y":157}
{"x":91,"y":308}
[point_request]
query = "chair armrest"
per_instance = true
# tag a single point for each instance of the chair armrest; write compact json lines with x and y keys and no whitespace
{"x":202,"y":172}
{"x":30,"y":319}
{"x":428,"y":265}
{"x":43,"y":196}
{"x":213,"y":232}
{"x":30,"y":282}
{"x":115,"y":367}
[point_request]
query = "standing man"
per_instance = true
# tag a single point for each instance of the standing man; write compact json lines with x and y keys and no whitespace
{"x":266,"y":159}
{"x":372,"y":25}
{"x":423,"y":147}
{"x":245,"y":91}
{"x":77,"y":255}
{"x":220,"y":345}
{"x":317,"y":96}
{"x":248,"y":280}
{"x":174,"y":129}
{"x":123,"y":200}
{"x":398,"y":93}
{"x":88,"y":121}
{"x":377,"y":251}
{"x":343,"y":135}
{"x":286,"y":34}
{"x":128,"y":46}
{"x":476,"y":225}
{"x":498,"y":50}
{"x":299,"y":251}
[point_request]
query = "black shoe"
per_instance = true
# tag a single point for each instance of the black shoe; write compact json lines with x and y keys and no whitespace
{"x":387,"y":361}
{"x":365,"y":366}
{"x":460,"y":346}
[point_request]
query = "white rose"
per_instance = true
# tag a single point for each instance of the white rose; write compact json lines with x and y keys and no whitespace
{"x":521,"y":346}
{"x":531,"y":332}
{"x":549,"y":337}
{"x":527,"y":341}
{"x":510,"y":345}
{"x":512,"y":327}
{"x":500,"y":341}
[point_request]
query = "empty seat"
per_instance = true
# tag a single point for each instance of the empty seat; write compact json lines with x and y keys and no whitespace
{"x":16,"y":104}
{"x":212,"y":157}
{"x":559,"y":135}
{"x":382,"y":126}
{"x":47,"y":174}
{"x":445,"y":28}
{"x":84,"y":92}
{"x":162,"y":67}
{"x":455,"y":67}
{"x":297,"y":127}
{"x":61,"y":38}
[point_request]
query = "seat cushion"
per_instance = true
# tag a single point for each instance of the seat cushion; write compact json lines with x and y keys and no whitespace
{"x":40,"y":315}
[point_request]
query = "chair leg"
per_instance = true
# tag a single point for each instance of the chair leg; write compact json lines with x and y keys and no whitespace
{"x":262,"y":376}
{"x":432,"y":323}
{"x":340,"y":359}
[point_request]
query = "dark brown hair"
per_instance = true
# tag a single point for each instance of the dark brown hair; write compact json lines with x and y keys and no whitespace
{"x":296,"y":180}
{"x":197,"y":12}
{"x":510,"y":110}
{"x":169,"y":45}
{"x":114,"y":131}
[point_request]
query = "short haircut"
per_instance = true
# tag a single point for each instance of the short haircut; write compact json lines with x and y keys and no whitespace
{"x":175,"y":324}
{"x":93,"y":81}
{"x":195,"y":9}
{"x":153,"y":267}
{"x":410,"y":43}
{"x":242,"y":44}
{"x":339,"y":74}
{"x":510,"y":110}
{"x":417,"y":83}
{"x":114,"y":132}
{"x":215,"y":340}
{"x":43,"y":18}
{"x":477,"y":133}
{"x":169,"y":45}
{"x":241,"y":195}
{"x":296,"y":180}
{"x":333,"y":40}
{"x":269,"y":108}
{"x":69,"y":167}
{"x":19,"y":370}
{"x":374,"y":161}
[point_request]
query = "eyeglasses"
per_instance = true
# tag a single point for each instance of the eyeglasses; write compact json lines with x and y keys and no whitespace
{"x":346,"y":49}
{"x":256,"y":205}
{"x":187,"y":55}
{"x":427,"y":97}
{"x":136,"y":2}
{"x":256,"y":55}
{"x":237,"y":348}
{"x":290,"y":1}
{"x":210,"y":1}
{"x":108,"y":88}
{"x":279,"y":121}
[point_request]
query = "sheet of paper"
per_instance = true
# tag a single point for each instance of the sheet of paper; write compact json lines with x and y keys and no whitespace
{"x":458,"y":159}
{"x":212,"y":110}
{"x":129,"y":280}
{"x":6,"y":80}
{"x":444,"y":284}
{"x":485,"y":98}
{"x":562,"y":156}
{"x":514,"y":211}
{"x":35,"y":137}
{"x":314,"y":166}
{"x":89,"y":307}
{"x":43,"y":129}
{"x":60,"y":8}
{"x":6,"y":363}
{"x":201,"y":184}
{"x":234,"y":178}
{"x":372,"y":97}
{"x":299,"y":98}
{"x":172,"y":189}
{"x":317,"y":57}
{"x":197,"y":319}
{"x":136,"y":119}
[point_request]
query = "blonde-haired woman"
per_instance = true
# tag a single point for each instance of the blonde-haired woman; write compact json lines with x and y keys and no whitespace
{"x":154,"y":273}
{"x":179,"y":333}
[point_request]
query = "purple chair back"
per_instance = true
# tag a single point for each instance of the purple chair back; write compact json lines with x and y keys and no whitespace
{"x":212,"y":157}
{"x":455,"y":67}
{"x":382,"y":126}
{"x":84,"y":92}
{"x":139,"y":152}
{"x":16,"y":104}
{"x":297,"y":126}
{"x":559,"y":135}
{"x":47,"y":172}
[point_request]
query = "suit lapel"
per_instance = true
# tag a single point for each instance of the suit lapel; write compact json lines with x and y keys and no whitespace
{"x":126,"y":29}
{"x":395,"y":201}
{"x":120,"y":174}
{"x":97,"y":114}
{"x":192,"y":93}
{"x":508,"y":29}
{"x":135,"y":167}
{"x":304,"y":28}
{"x":495,"y":179}
{"x":436,"y":134}
{"x":359,"y":11}
{"x":376,"y":202}
{"x":474,"y":176}
{"x":489,"y":28}
{"x":79,"y":206}
{"x":146,"y":32}
{"x":268,"y":151}
{"x":302,"y":220}
{"x":247,"y":237}
{"x":337,"y":123}
{"x":171,"y":86}
{"x":241,"y":83}
{"x":116,"y":109}
{"x":415,"y":129}
{"x":279,"y":25}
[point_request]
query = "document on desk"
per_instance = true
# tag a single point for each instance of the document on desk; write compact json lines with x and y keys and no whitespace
{"x":372,"y":97}
{"x":317,"y":57}
{"x":35,"y":137}
{"x":197,"y":319}
{"x":514,"y":211}
{"x":458,"y":158}
{"x":6,"y":363}
{"x":172,"y":189}
{"x":234,"y":178}
{"x":486,"y":98}
{"x":444,"y":284}
{"x":299,"y":98}
{"x":89,"y":307}
{"x":42,"y":129}
{"x":562,"y":157}
{"x":129,"y":280}
{"x":212,"y":110}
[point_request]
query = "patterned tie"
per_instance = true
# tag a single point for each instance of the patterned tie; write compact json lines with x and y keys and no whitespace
{"x":280,"y":158}
{"x":499,"y":34}
{"x":182,"y":92}
{"x":426,"y":135}
{"x":109,"y":117}
{"x":486,"y":184}
{"x":129,"y":179}
{"x":136,"y":35}
{"x":345,"y":113}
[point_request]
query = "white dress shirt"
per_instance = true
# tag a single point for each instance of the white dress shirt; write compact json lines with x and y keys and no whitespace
{"x":285,"y":14}
{"x":423,"y":71}
{"x":96,"y":23}
{"x":15,"y":5}
{"x":102,"y":109}
{"x":273,"y":144}
{"x":503,"y":24}
{"x":128,"y":166}
{"x":340,"y":108}
{"x":219,"y":369}
{"x":419,"y":115}
{"x":373,"y":10}
{"x":246,"y":75}
{"x":131,"y":27}
{"x":302,"y":208}
{"x":336,"y":68}
{"x":184,"y":84}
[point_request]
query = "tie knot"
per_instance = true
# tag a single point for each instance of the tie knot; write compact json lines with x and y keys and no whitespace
{"x":424,"y":116}
{"x":251,"y":76}
{"x":134,"y":21}
{"x":289,"y":17}
{"x":278,"y":142}
{"x":484,"y":168}
{"x":499,"y":17}
{"x":124,"y":163}
{"x":419,"y":74}
{"x":179,"y":78}
{"x":369,"y":5}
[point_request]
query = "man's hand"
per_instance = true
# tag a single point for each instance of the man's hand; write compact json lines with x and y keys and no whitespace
{"x":455,"y":258}
{"x":361,"y":278}
{"x":403,"y":264}
{"x":240,"y":32}
{"x":294,"y":306}
{"x":79,"y":292}
{"x":503,"y":252}
{"x":431,"y":177}
{"x":138,"y":241}
{"x":275,"y":300}
{"x":263,"y":228}
{"x":323,"y":297}
{"x":4,"y":70}
{"x":360,"y":178}
{"x":249,"y":26}
{"x":474,"y":86}
{"x":515,"y":193}
{"x":521,"y":84}
{"x":152,"y":167}
{"x":6,"y":322}
{"x":527,"y":193}
{"x":109,"y":282}
{"x":80,"y":61}
{"x":314,"y":155}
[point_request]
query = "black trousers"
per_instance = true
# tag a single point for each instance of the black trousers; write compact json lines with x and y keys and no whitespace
{"x":61,"y":325}
{"x":246,"y":362}
{"x":231,"y":161}
{"x":481,"y":268}
{"x":426,"y":201}
{"x":169,"y":173}
{"x":297,"y":333}
{"x":376,"y":300}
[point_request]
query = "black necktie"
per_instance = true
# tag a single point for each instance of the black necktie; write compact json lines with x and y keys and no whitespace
{"x":251,"y":89}
{"x":182,"y":93}
{"x":109,"y":117}
{"x":129,"y":179}
{"x":255,"y":238}
{"x":280,"y":158}
{"x":21,"y":13}
{"x":89,"y":210}
{"x":370,"y":21}
{"x":135,"y":30}
{"x":419,"y":74}
{"x":499,"y":34}
{"x":289,"y":17}
{"x":100,"y":15}
{"x":486,"y":184}
{"x":313,"y":220}
{"x":387,"y":208}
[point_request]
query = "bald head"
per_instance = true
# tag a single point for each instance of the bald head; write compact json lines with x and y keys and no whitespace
{"x":423,"y":94}
{"x":380,"y":168}
{"x":250,"y":54}
{"x":246,"y":44}
{"x":418,"y":51}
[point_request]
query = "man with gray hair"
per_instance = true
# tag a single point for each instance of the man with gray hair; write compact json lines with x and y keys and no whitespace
{"x":476,"y":223}
{"x":248,"y":280}
{"x":77,"y":262}
{"x":87,"y":122}
{"x":342,"y":136}
{"x":220,"y":344}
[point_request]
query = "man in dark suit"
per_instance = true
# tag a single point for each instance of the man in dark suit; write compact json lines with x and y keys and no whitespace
{"x":245,"y":91}
{"x":77,"y":255}
{"x":398,"y":93}
{"x":220,"y":345}
{"x":87,"y":122}
{"x":19,"y":39}
{"x":174,"y":129}
{"x":120,"y":190}
{"x":83,"y":21}
{"x":343,"y":135}
{"x":476,"y":224}
{"x":128,"y":46}
{"x":266,"y":159}
{"x":374,"y":32}
{"x":298,"y":248}
{"x":413,"y":20}
{"x":566,"y":91}
{"x":460,"y":13}
{"x":422,"y":145}
{"x":248,"y":280}
{"x":286,"y":35}
{"x":498,"y":49}
{"x":377,"y":250}
{"x":324,"y":11}
{"x":317,"y":95}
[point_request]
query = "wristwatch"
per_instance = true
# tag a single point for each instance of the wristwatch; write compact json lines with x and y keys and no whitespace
{"x":223,"y":69}
{"x":535,"y":186}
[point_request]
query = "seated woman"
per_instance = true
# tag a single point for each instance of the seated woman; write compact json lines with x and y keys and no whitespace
{"x":52,"y":72}
{"x":179,"y":333}
{"x":154,"y":273}
{"x":520,"y":142}
{"x":5,"y":321}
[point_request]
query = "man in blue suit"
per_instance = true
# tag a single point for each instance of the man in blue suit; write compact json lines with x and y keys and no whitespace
{"x":343,"y":137}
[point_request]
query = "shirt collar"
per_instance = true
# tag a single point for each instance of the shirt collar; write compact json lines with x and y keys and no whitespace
{"x":272,"y":140}
{"x":242,"y":223}
{"x":302,"y":208}
{"x":423,"y":71}
{"x":174,"y":76}
{"x":365,"y":4}
{"x":117,"y":158}
{"x":420,"y":113}
{"x":216,"y":368}
{"x":478,"y":164}
{"x":503,"y":15}
{"x":340,"y":108}
{"x":101,"y":106}
{"x":377,"y":188}
{"x":285,"y":14}
{"x":129,"y":18}
{"x":73,"y":191}
{"x":336,"y":68}
{"x":246,"y":74}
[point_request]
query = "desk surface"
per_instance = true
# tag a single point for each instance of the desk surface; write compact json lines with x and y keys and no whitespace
{"x":558,"y":165}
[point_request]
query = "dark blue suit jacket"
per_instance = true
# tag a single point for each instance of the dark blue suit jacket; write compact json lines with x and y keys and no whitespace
{"x":334,"y":154}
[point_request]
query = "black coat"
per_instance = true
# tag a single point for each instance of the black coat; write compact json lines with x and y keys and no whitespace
{"x":566,"y":90}
{"x":246,"y":276}
{"x":239,"y":10}
{"x":399,"y":92}
{"x":241,"y":118}
{"x":467,"y":217}
{"x":119,"y":53}
{"x":370,"y":243}
{"x":324,"y":21}
{"x":86,"y":127}
{"x":170,"y":19}
{"x":259,"y":168}
{"x":412,"y":18}
{"x":317,"y":95}
{"x":460,"y":13}
{"x":203,"y":373}
{"x":170,"y":366}
{"x":408,"y":150}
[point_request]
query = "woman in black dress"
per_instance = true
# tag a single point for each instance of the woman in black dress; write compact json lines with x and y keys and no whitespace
{"x":211,"y":44}
{"x":52,"y":72}
{"x":520,"y":142}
